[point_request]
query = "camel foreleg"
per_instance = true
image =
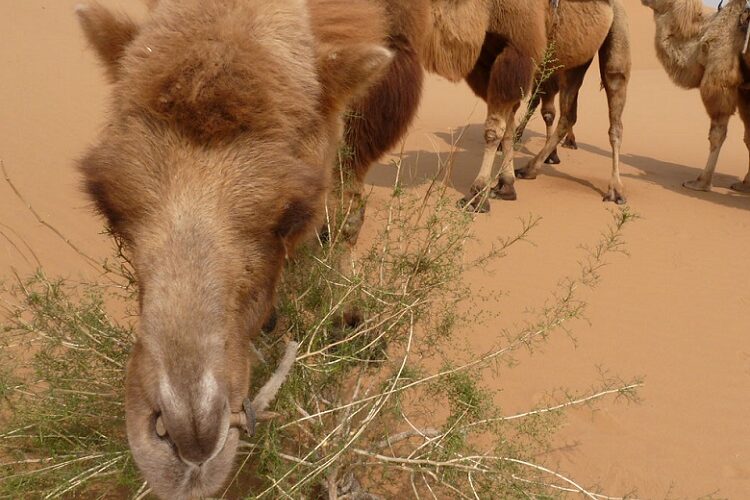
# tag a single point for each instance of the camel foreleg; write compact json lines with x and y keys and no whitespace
{"x":548,"y":115}
{"x":503,"y":87}
{"x":716,"y":136}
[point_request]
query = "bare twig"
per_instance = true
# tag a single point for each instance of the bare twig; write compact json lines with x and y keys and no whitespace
{"x":89,"y":260}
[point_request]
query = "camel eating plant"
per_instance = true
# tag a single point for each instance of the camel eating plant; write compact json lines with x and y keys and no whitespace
{"x":215,"y":161}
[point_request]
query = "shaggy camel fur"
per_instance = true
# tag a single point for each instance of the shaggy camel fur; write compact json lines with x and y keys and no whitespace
{"x":705,"y":52}
{"x":215,"y":161}
{"x":579,"y":30}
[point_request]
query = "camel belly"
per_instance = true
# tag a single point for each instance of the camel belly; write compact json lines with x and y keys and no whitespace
{"x":580,"y":31}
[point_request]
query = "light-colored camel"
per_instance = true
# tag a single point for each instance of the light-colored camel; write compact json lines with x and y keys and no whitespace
{"x":215,"y":161}
{"x":705,"y":52}
{"x":517,"y":35}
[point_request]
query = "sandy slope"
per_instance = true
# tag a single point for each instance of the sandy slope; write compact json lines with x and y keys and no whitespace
{"x":676,"y":311}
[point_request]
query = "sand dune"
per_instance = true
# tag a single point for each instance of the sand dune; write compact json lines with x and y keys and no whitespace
{"x":676,"y":311}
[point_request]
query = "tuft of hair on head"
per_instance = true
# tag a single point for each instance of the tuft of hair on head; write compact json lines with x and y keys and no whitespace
{"x":108,"y":33}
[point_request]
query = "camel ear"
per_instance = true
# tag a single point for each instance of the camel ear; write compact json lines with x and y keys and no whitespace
{"x":346,"y":72}
{"x":108,"y":33}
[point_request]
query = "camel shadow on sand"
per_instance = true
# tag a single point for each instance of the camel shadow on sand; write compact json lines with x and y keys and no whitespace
{"x":671,"y":175}
{"x":419,"y":166}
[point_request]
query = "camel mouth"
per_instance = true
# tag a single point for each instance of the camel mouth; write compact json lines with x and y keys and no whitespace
{"x":244,"y":421}
{"x":167,"y":471}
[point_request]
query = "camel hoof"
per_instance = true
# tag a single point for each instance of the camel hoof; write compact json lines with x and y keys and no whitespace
{"x":504,"y":191}
{"x":569,"y":144}
{"x":615,"y":196}
{"x":473,"y":203}
{"x":741,"y":187}
{"x":527,"y":173}
{"x":553,"y":158}
{"x":697,"y":185}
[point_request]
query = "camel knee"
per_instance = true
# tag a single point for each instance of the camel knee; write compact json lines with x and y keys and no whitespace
{"x":615,"y":81}
{"x":548,"y":117}
{"x":717,"y":135}
{"x":494,"y":129}
{"x":491,"y":136}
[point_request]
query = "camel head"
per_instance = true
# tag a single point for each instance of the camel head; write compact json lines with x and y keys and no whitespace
{"x":214,"y":163}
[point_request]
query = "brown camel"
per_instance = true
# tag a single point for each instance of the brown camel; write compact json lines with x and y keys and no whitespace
{"x":495,"y":45}
{"x":215,"y":161}
{"x":705,"y":52}
{"x":579,"y":30}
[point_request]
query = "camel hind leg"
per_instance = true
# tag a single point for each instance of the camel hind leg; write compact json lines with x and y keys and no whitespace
{"x":744,"y":108}
{"x":570,"y":83}
{"x":614,"y":67}
{"x":548,"y":115}
{"x":546,"y":97}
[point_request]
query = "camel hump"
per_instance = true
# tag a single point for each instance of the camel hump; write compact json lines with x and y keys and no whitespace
{"x":457,"y":34}
{"x":581,"y":29}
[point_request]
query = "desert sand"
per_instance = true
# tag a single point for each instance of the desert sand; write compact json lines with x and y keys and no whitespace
{"x":676,"y":311}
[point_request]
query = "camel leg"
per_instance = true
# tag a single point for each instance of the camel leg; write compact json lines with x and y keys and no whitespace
{"x":720,"y":103}
{"x":505,"y":188}
{"x":533,"y":105}
{"x":495,"y":131}
{"x":570,"y":82}
{"x":614,"y":67}
{"x":744,"y":107}
{"x":716,"y":137}
{"x":546,"y":89}
{"x":502,"y":86}
{"x":546,"y":97}
{"x":548,"y":115}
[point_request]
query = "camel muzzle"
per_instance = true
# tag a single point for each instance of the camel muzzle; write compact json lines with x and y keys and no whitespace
{"x":256,"y":410}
